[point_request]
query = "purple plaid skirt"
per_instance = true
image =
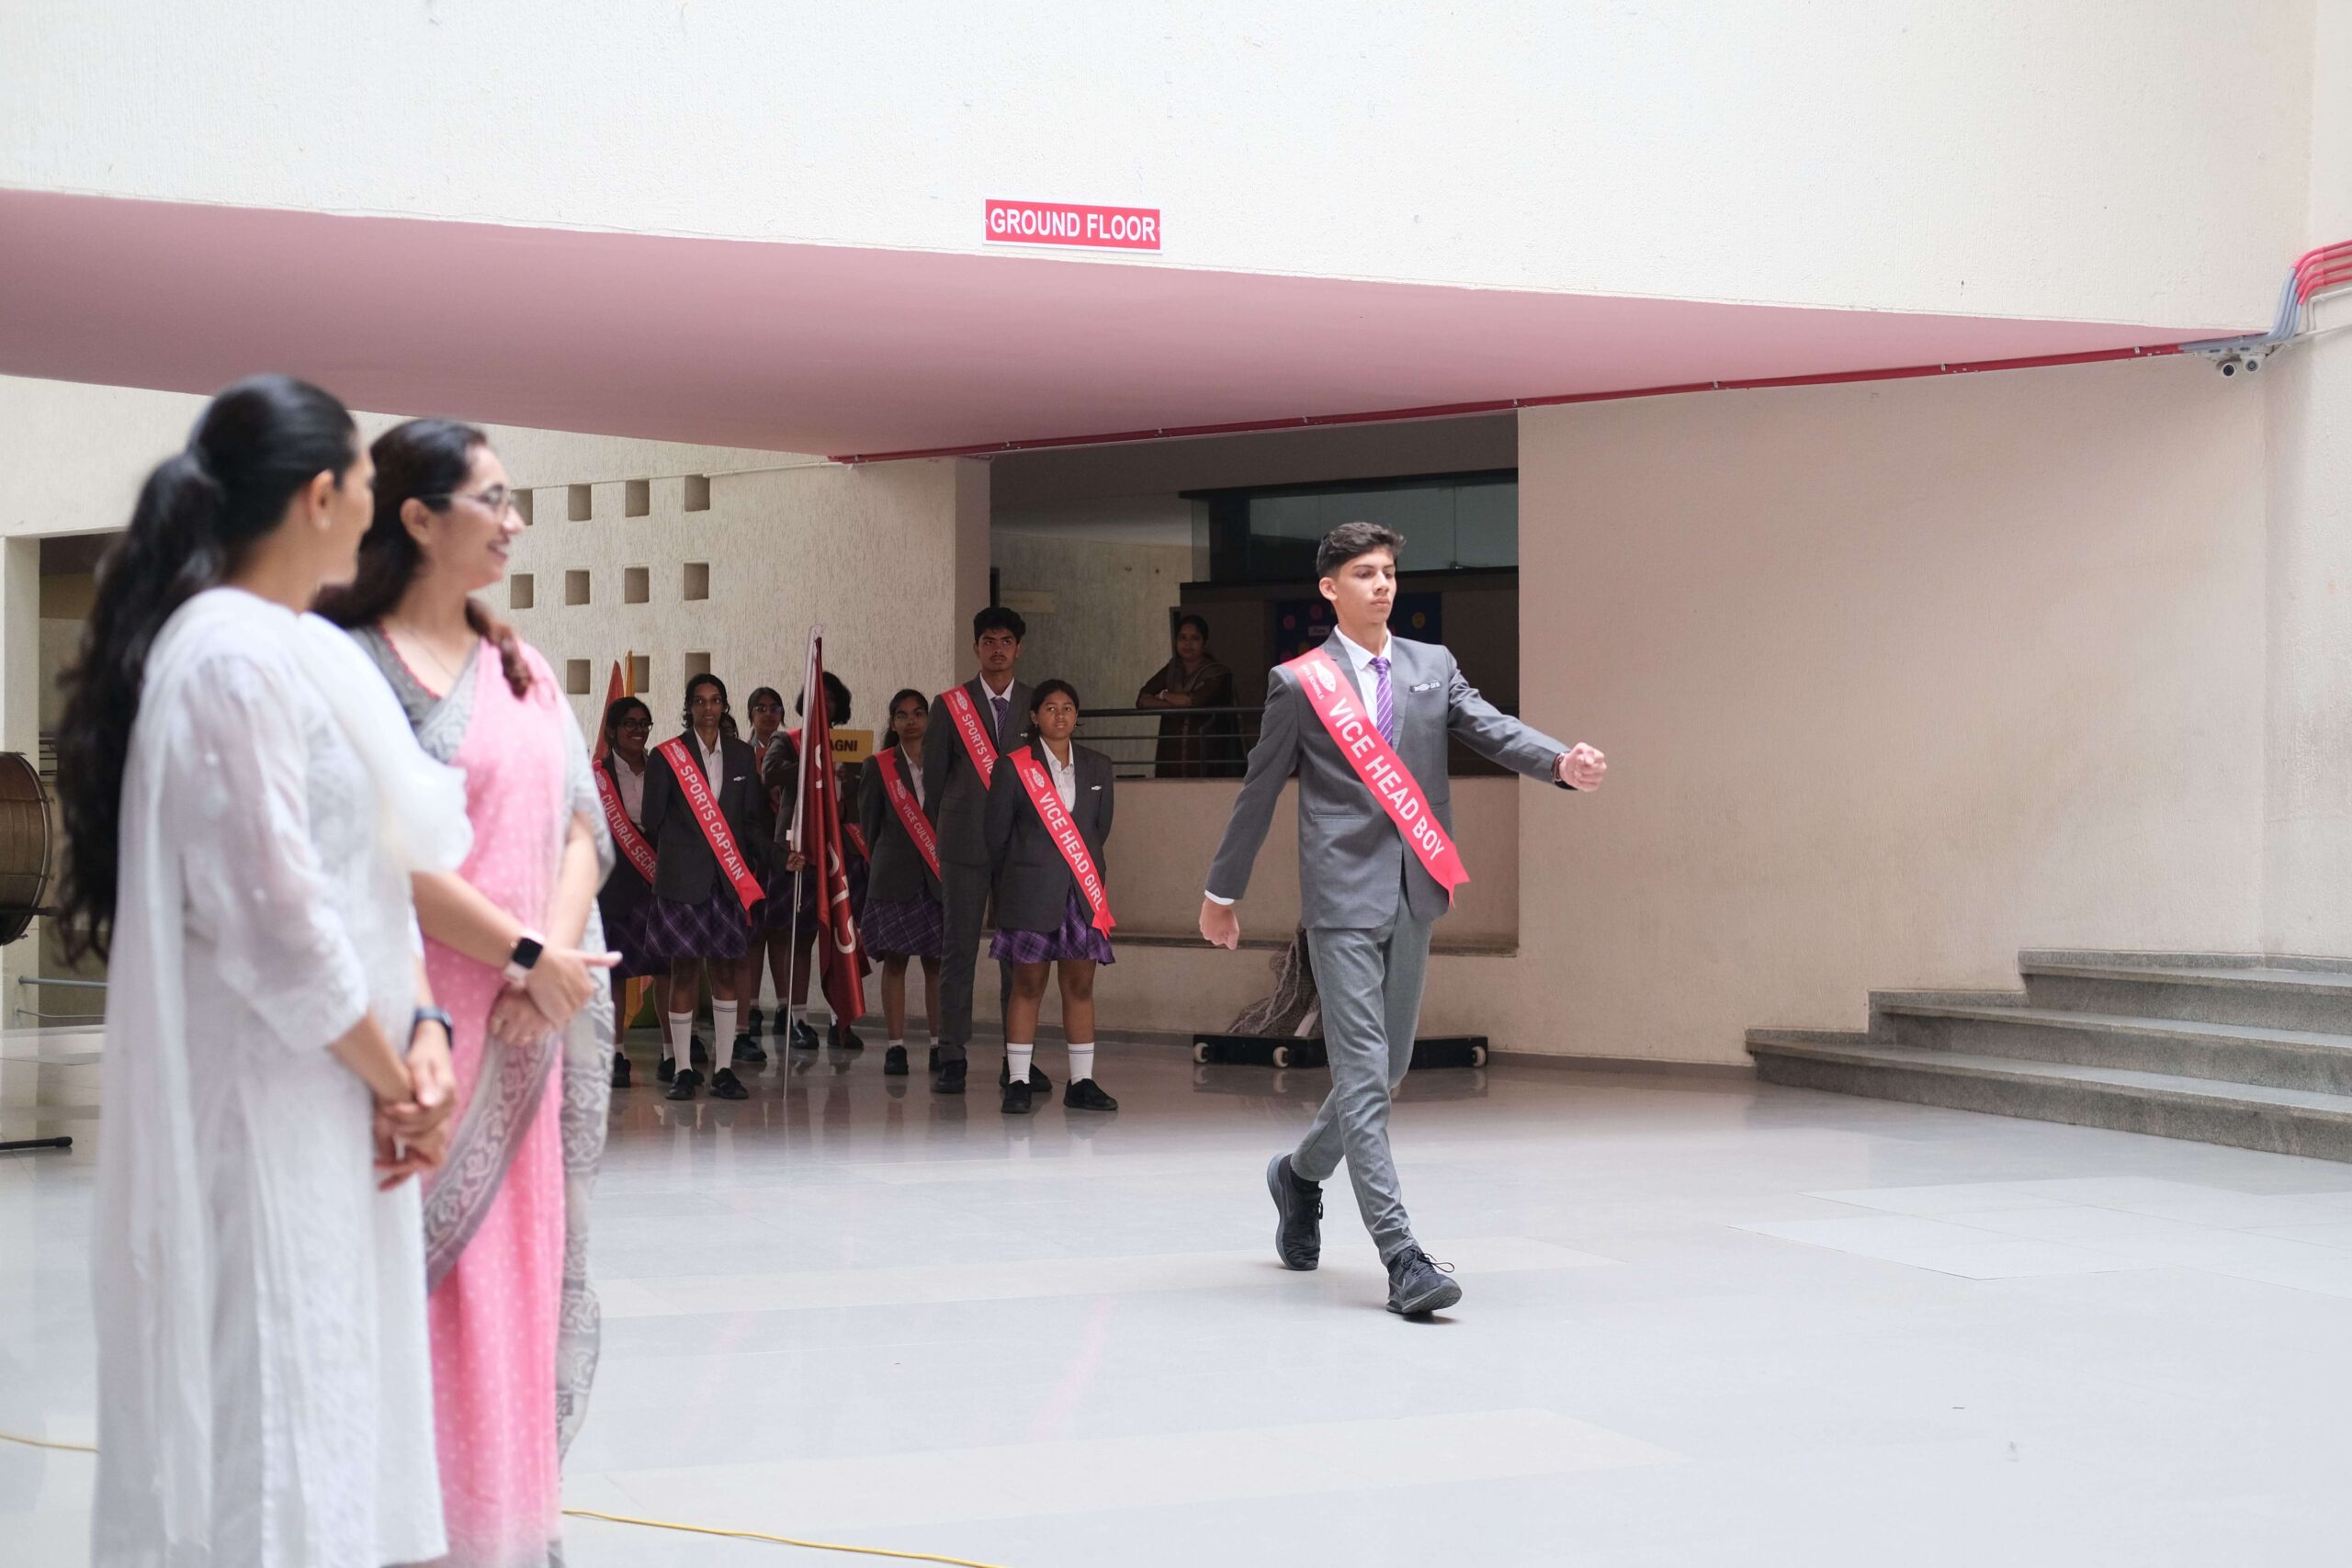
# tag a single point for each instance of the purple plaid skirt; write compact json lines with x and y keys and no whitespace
{"x":625,"y":936}
{"x":1076,"y":939}
{"x":904,"y":928}
{"x":714,"y":928}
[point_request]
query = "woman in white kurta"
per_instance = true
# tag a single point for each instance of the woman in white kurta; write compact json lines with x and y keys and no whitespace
{"x":265,"y":1382}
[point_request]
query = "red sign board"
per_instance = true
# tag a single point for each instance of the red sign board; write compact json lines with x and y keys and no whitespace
{"x":1067,"y":223}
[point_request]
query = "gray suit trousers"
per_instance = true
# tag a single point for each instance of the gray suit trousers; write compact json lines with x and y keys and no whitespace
{"x":963,"y":899}
{"x":1370,"y":985}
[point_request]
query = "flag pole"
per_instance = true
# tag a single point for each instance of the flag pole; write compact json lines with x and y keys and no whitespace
{"x":793,"y":979}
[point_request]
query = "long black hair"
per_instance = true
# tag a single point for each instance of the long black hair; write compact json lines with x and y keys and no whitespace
{"x":836,"y":700}
{"x":620,"y":708}
{"x":726,"y":709}
{"x":424,"y":460}
{"x":255,"y":448}
{"x":889,"y":730}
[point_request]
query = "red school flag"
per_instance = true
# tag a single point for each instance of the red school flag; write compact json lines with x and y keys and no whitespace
{"x":817,"y":838}
{"x":615,"y":691}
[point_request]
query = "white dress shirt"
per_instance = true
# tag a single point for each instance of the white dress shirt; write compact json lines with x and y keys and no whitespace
{"x":714,"y":757}
{"x":631,"y":783}
{"x":1064,"y":775}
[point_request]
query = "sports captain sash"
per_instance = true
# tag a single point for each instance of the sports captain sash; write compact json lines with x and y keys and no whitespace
{"x":965,"y":716}
{"x":1063,"y":830}
{"x":625,"y":835}
{"x":707,"y":816}
{"x":1333,"y":697}
{"x":893,"y":765}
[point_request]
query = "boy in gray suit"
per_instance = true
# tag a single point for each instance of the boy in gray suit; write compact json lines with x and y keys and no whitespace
{"x":1374,"y":821}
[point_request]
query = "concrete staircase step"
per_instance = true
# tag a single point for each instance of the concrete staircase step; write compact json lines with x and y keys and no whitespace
{"x":2311,"y":997}
{"x":2228,"y":1053}
{"x":2280,"y":1120}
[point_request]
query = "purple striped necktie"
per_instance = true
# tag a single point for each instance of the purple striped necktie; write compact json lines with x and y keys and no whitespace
{"x":1384,"y":702}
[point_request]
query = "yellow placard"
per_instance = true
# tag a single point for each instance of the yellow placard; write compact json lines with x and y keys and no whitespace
{"x":853,"y":746}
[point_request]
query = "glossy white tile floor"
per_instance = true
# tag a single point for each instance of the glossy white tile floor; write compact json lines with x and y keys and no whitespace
{"x":1706,"y":1322}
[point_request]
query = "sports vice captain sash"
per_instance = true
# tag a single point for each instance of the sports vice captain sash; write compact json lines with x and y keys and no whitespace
{"x":1066,"y":836}
{"x":965,"y":716}
{"x":713,"y":823}
{"x":1333,"y":697}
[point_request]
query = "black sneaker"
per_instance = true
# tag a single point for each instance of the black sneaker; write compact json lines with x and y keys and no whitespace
{"x":1016,"y":1099}
{"x":667,"y":1070}
{"x":949,"y":1079}
{"x":683,"y":1086}
{"x":725,"y":1085}
{"x":747,"y":1051}
{"x":1298,"y":1216}
{"x":620,"y":1070}
{"x":894,"y":1062}
{"x":846,"y":1040}
{"x":1417,"y":1285}
{"x":1085,"y":1094}
{"x":803,"y":1037}
{"x":1039,"y":1084}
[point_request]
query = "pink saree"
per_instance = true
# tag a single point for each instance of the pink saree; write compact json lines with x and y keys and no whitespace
{"x":495,"y":1213}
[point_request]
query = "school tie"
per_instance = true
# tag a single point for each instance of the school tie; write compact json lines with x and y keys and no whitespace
{"x":999,"y":705}
{"x":1384,"y":705}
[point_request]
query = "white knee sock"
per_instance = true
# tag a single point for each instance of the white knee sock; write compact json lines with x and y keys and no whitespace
{"x":722,"y":1034}
{"x":682,"y":1028}
{"x":1082,"y":1061}
{"x":1017,"y":1061}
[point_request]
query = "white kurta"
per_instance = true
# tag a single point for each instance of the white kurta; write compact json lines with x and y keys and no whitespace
{"x":305,"y":1379}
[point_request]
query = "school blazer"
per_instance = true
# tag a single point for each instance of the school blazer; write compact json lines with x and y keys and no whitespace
{"x":951,"y":793}
{"x":1033,"y":881}
{"x":1352,"y":864}
{"x":896,"y":871}
{"x":686,"y":871}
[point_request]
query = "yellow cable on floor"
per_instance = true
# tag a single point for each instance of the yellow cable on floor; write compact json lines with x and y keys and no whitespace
{"x":648,"y":1523}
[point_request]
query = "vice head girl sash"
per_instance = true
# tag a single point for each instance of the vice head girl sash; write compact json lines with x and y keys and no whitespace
{"x":1063,"y":831}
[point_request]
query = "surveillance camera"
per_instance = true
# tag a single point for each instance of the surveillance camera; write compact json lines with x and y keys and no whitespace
{"x":2230,"y":365}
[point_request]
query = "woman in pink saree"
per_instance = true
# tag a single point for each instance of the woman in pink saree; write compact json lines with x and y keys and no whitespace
{"x":514,"y":953}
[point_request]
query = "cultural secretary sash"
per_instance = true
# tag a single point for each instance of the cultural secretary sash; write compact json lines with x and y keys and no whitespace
{"x":626,"y":837}
{"x":707,"y":816}
{"x":893,"y":765}
{"x":1065,"y":835}
{"x":1333,"y":697}
{"x":965,"y":716}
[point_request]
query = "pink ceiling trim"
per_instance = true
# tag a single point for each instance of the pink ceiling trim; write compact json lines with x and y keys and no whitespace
{"x":837,"y":349}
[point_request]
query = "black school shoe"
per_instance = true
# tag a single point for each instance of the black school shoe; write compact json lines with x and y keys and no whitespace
{"x":894,"y":1062}
{"x":753,"y":1020}
{"x":747,"y":1051}
{"x":949,"y":1079}
{"x":683,"y":1086}
{"x":1298,"y":1216}
{"x":1039,"y":1084}
{"x":667,"y":1070}
{"x":1417,"y":1285}
{"x":1016,"y":1099}
{"x":725,"y":1085}
{"x":844,"y":1040}
{"x":620,"y":1070}
{"x":934,"y":1060}
{"x":1085,"y":1094}
{"x":803,"y":1038}
{"x":701,"y":1050}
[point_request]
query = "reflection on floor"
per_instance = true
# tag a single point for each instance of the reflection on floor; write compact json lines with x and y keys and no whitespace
{"x":1706,"y":1322}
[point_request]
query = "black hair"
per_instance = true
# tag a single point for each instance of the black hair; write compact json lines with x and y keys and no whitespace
{"x":1045,"y":689}
{"x":1349,"y":540}
{"x":1197,"y":622}
{"x":836,"y":700}
{"x":619,"y":709}
{"x":696,"y":683}
{"x":256,"y":447}
{"x":997,"y":618}
{"x":890,"y":734}
{"x":424,"y":460}
{"x":757,"y":693}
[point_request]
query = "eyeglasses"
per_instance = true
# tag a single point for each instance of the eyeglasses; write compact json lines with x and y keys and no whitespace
{"x":498,"y":499}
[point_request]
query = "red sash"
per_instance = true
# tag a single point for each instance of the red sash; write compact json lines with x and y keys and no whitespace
{"x":705,"y":806}
{"x":625,"y":835}
{"x":1065,"y":834}
{"x":964,"y":714}
{"x":1333,"y":697}
{"x":893,"y":765}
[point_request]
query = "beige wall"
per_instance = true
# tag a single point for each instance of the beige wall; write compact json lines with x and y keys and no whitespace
{"x":1097,"y":612}
{"x":1894,"y":680}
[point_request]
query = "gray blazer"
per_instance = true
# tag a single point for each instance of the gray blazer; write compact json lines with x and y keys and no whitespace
{"x":1352,"y":859}
{"x":896,"y":871}
{"x":953,"y":795}
{"x":1033,"y":881}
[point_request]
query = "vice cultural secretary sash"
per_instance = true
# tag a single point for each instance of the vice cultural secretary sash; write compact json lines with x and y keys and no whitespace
{"x":1063,"y":830}
{"x":902,"y":800}
{"x":964,"y":714}
{"x":626,"y":837}
{"x":1333,"y":697}
{"x":711,"y":820}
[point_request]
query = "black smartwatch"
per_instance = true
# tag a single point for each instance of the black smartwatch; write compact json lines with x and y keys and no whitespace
{"x":527,"y":949}
{"x":434,"y":1015}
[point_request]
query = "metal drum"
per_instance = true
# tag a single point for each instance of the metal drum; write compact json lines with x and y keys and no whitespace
{"x":24,"y":844}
